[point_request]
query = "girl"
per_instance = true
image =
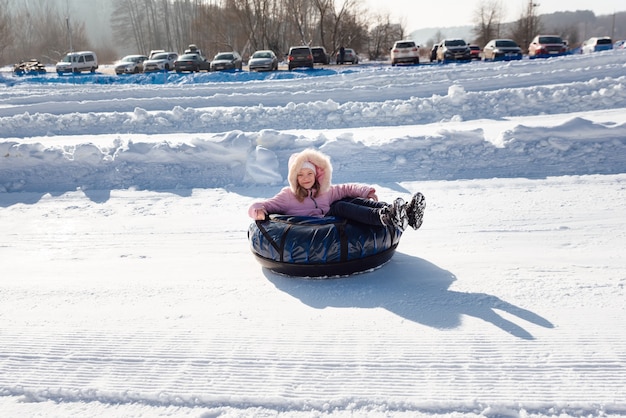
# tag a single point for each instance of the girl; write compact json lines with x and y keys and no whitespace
{"x":310,"y":193}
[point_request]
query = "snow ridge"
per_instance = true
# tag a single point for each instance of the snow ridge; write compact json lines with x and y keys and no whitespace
{"x":458,"y":104}
{"x":233,"y":159}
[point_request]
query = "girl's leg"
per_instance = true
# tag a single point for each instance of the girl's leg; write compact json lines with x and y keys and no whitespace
{"x":366,"y":202}
{"x":360,"y":210}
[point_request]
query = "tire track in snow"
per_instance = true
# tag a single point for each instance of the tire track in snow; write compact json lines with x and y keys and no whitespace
{"x":248,"y":367}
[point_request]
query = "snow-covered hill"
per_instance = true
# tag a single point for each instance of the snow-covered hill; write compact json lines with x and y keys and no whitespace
{"x":128,"y":287}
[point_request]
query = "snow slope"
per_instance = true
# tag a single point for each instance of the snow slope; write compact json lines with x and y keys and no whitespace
{"x":128,"y":287}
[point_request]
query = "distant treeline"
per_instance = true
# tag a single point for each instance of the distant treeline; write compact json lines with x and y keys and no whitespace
{"x":46,"y":30}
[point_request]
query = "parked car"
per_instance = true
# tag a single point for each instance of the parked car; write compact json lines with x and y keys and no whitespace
{"x":154,"y":52}
{"x":405,"y":52}
{"x":130,"y":64}
{"x":193,"y":49}
{"x":30,"y":67}
{"x":320,"y":56}
{"x":596,"y":44}
{"x":192,"y":63}
{"x":223,"y":61}
{"x":621,"y":44}
{"x":263,"y":60}
{"x":161,"y":61}
{"x":75,"y":62}
{"x":433,"y":53}
{"x":300,"y":56}
{"x":544,"y":46}
{"x":350,"y":55}
{"x":502,"y":50}
{"x":453,"y":50}
{"x":474,"y":52}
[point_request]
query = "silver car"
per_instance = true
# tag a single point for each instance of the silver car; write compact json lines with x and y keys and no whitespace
{"x":502,"y":50}
{"x":130,"y":64}
{"x":264,"y":60}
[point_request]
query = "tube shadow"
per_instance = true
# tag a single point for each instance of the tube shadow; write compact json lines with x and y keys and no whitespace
{"x":412,"y":288}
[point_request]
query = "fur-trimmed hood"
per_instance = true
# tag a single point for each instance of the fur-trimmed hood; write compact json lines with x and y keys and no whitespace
{"x":323,"y":168}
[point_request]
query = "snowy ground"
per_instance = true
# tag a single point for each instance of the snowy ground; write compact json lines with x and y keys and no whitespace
{"x":128,"y":286}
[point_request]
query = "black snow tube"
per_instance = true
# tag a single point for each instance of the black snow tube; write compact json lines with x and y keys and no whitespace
{"x":320,"y":247}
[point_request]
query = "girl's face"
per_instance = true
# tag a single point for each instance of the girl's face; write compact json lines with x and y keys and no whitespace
{"x":306,"y":178}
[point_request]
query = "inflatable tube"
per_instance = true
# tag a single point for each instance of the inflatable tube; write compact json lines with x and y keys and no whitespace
{"x":318,"y":247}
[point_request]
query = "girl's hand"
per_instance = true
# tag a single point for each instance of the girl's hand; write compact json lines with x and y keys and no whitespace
{"x":261,"y":214}
{"x":372,"y":195}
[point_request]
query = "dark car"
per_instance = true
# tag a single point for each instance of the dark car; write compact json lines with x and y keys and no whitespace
{"x":320,"y":56}
{"x":192,"y":63}
{"x":502,"y":50}
{"x":453,"y":50}
{"x":433,"y":53}
{"x":300,"y":56}
{"x":226,"y":61}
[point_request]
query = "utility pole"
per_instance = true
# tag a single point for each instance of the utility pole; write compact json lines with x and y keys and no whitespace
{"x":69,"y":32}
{"x":67,"y":22}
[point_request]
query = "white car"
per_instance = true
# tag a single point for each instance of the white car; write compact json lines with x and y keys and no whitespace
{"x":596,"y":44}
{"x":405,"y":52}
{"x":162,"y":61}
{"x":130,"y":64}
{"x":75,"y":62}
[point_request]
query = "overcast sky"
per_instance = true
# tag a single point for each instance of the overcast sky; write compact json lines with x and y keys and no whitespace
{"x":445,"y":13}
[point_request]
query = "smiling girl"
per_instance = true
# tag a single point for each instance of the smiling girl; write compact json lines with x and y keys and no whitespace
{"x":310,"y":193}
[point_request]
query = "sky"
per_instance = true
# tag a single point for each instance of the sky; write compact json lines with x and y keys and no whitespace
{"x":447,"y":13}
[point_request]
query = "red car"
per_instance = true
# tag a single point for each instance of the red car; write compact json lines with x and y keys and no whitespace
{"x":544,"y":46}
{"x":474,"y":52}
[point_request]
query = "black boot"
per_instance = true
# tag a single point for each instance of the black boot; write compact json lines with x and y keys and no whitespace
{"x":395,"y":214}
{"x":415,"y":210}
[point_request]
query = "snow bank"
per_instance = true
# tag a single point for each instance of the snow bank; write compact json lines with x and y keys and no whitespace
{"x":457,"y":105}
{"x":577,"y":146}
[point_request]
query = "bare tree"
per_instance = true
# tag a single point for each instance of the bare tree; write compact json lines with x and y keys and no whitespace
{"x":6,"y":31}
{"x":214,"y":25}
{"x":127,"y":24}
{"x":42,"y":31}
{"x":488,"y":16}
{"x":347,"y":28}
{"x":527,"y":26}
{"x":260,"y":21}
{"x":439,"y":36}
{"x":325,"y":10}
{"x":381,"y":36}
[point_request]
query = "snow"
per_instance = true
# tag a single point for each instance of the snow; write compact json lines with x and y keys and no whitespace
{"x":129,"y":289}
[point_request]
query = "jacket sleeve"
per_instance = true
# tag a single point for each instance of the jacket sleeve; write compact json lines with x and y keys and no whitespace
{"x":341,"y":191}
{"x":277,"y":204}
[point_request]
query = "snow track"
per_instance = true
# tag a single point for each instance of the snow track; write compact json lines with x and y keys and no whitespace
{"x":318,"y":370}
{"x":173,"y":312}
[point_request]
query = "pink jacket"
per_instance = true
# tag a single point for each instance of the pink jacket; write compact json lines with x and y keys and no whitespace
{"x":286,"y":203}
